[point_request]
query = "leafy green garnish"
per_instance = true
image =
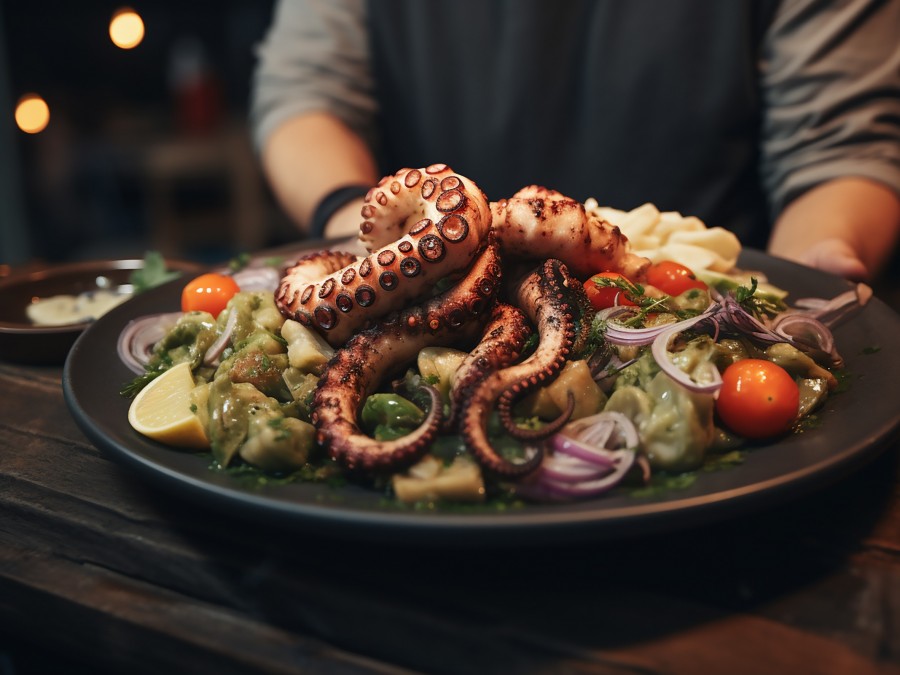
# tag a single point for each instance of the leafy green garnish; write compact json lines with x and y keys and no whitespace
{"x":646,"y":305}
{"x":154,"y":273}
{"x":635,"y":292}
{"x":131,"y":389}
{"x":760,"y":306}
{"x":743,"y":294}
{"x":239,"y":262}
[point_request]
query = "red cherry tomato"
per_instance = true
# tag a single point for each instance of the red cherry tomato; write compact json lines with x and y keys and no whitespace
{"x":673,"y":278}
{"x":758,"y":399}
{"x":208,"y":293}
{"x":602,"y":297}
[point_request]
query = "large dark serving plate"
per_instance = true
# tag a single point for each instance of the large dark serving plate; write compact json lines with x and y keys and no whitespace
{"x":853,"y":426}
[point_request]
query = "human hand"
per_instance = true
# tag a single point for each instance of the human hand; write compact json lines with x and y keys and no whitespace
{"x":835,"y":256}
{"x":846,"y":226}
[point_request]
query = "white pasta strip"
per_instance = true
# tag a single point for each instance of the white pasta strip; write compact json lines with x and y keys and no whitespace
{"x":668,"y":235}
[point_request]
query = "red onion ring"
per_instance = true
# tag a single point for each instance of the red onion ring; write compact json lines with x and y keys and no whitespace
{"x":804,"y":329}
{"x":137,"y":339}
{"x":568,"y":469}
{"x":831,"y":312}
{"x":258,"y":279}
{"x":660,"y":350}
{"x":216,"y":348}
{"x":581,"y":464}
{"x":620,"y":335}
{"x":547,"y":489}
{"x":593,"y":429}
{"x":562,"y":444}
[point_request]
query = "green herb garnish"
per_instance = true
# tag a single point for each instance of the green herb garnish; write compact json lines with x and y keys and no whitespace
{"x":131,"y":389}
{"x":154,"y":273}
{"x":239,"y":262}
{"x":759,"y":306}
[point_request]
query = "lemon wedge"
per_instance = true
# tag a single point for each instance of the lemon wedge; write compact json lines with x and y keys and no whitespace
{"x":163,"y":410}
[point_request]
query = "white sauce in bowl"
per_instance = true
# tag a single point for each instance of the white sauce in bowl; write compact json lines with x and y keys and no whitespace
{"x":59,"y":310}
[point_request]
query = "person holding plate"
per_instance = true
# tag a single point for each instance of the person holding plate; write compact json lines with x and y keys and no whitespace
{"x":779,"y":120}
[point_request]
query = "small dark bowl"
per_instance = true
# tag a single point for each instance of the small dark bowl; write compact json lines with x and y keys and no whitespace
{"x":23,"y":342}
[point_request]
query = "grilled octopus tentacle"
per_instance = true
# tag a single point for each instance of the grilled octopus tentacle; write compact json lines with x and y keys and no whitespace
{"x":501,"y":345}
{"x":543,"y":294}
{"x":367,"y":359}
{"x":539,"y":221}
{"x":314,"y":266}
{"x":420,"y":225}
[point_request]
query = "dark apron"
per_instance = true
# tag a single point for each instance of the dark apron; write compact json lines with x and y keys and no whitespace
{"x":628,"y":102}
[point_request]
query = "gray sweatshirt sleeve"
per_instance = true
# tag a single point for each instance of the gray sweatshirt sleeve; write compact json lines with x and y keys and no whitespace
{"x":315,"y":57}
{"x":831,"y":82}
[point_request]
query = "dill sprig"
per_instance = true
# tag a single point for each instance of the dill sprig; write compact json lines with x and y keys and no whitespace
{"x":131,"y":389}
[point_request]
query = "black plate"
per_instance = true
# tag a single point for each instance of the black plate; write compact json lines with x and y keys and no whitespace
{"x":853,"y":424}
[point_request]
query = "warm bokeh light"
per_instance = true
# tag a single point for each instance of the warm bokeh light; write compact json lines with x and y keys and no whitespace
{"x":32,"y":114}
{"x":126,"y":28}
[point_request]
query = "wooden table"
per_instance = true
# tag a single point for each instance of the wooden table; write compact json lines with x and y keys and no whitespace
{"x":101,"y":572}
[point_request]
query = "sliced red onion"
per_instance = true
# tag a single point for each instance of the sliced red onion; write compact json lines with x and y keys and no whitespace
{"x":568,"y":469}
{"x":660,"y":349}
{"x":137,"y":339}
{"x":620,"y":335}
{"x":804,"y":329}
{"x":742,"y":321}
{"x":547,"y":489}
{"x":216,"y":348}
{"x":597,"y":435}
{"x":577,"y":467}
{"x":592,"y":429}
{"x":831,"y":312}
{"x":258,"y":279}
{"x":562,"y":444}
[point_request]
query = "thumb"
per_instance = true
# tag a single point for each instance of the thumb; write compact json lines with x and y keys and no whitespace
{"x":837,"y":257}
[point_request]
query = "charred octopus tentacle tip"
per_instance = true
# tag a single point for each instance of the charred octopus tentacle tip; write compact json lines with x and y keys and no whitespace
{"x":372,"y":456}
{"x":548,"y":429}
{"x":501,"y":342}
{"x":501,"y":389}
{"x":494,"y":463}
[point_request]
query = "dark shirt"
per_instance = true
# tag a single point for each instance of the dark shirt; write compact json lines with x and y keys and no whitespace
{"x":723,"y":110}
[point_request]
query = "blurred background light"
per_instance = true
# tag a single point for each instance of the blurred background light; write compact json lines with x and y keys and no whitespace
{"x":149,"y":148}
{"x":32,"y":114}
{"x":126,"y":29}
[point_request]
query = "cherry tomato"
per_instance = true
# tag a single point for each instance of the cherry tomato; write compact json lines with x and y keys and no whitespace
{"x":602,"y":297}
{"x":758,"y":399}
{"x":208,"y":293}
{"x":673,"y":278}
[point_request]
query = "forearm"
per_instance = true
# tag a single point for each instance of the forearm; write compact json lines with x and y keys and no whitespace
{"x":309,"y":156}
{"x":847,"y":226}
